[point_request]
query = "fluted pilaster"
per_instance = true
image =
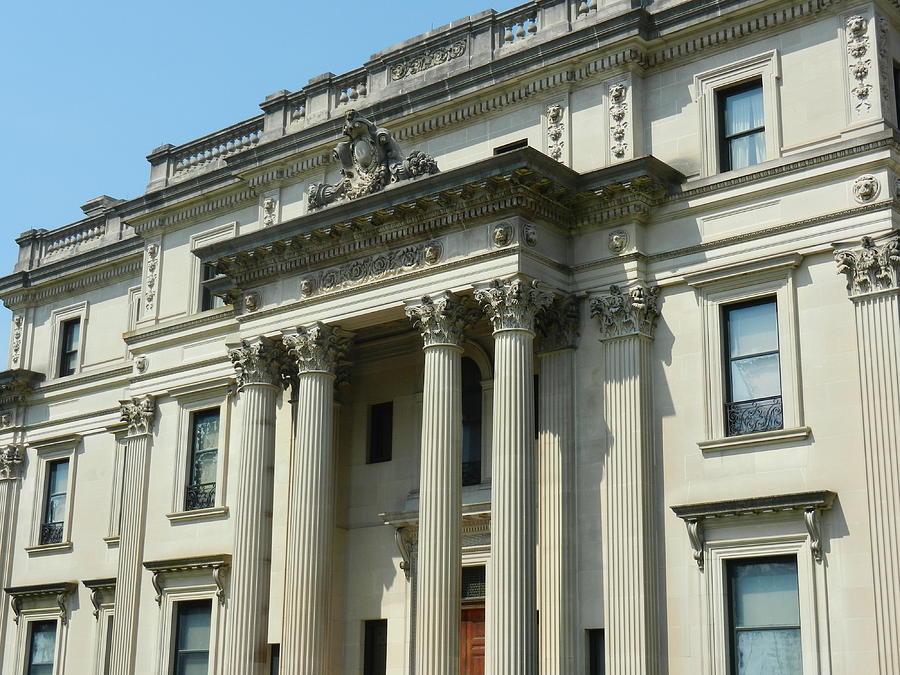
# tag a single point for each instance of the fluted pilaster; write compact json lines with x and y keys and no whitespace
{"x":257,"y":364}
{"x":316,"y":351}
{"x":556,"y":467}
{"x":630,"y":583}
{"x":12,"y":458}
{"x":511,"y":610}
{"x":441,"y":321}
{"x":138,"y":414}
{"x":873,"y":276}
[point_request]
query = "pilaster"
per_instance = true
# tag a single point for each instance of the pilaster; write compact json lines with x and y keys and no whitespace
{"x":873,"y":282}
{"x":628,"y":505}
{"x":138,"y":414}
{"x":511,"y":305}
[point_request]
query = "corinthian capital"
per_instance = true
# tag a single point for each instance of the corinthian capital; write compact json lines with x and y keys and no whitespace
{"x":870,"y":267}
{"x":11,"y":458}
{"x":138,"y":413}
{"x":558,"y":324}
{"x":512,"y":304}
{"x":257,"y":361}
{"x":442,"y":319}
{"x":317,"y":348}
{"x":624,"y":313}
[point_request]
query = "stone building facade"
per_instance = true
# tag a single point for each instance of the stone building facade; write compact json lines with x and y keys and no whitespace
{"x":557,"y":340}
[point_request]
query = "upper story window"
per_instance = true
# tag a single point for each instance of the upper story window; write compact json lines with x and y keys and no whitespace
{"x":207,"y":299}
{"x":375,"y":647}
{"x":54,"y":519}
{"x":471,"y":419}
{"x":203,"y":462}
{"x":192,"y":633}
{"x":381,"y":432}
{"x":70,"y":337}
{"x":764,"y":609}
{"x":596,"y":651}
{"x":41,"y":648}
{"x":753,"y":368}
{"x":742,"y":125}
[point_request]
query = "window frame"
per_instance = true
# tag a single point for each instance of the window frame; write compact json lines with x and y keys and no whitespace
{"x":58,"y":318}
{"x":199,"y":240}
{"x":185,"y":587}
{"x":176,"y":621}
{"x":191,"y":453}
{"x":48,"y":496}
{"x":30,"y":617}
{"x":765,"y":67}
{"x":723,"y":139}
{"x":47,"y":452}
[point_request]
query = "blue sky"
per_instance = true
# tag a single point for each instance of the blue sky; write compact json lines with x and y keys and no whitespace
{"x":90,"y":88}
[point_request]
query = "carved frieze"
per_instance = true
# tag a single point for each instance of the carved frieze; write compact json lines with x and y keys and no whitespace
{"x":442,"y":320}
{"x":317,"y":348}
{"x":11,"y":459}
{"x":257,"y":361}
{"x":633,"y":311}
{"x":870,"y":267}
{"x":138,"y":413}
{"x":511,"y":304}
{"x":370,"y":160}
{"x":428,"y":59}
{"x":558,"y":325}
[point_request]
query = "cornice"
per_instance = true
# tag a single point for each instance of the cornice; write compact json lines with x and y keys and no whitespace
{"x":82,"y":380}
{"x":154,"y":332}
{"x":66,"y":421}
{"x":195,"y":365}
{"x":198,"y":206}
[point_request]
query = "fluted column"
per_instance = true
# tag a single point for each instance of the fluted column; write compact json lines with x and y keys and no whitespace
{"x":258,"y":367}
{"x":511,"y":604}
{"x":316,"y":351}
{"x":441,"y":320}
{"x":556,"y":595}
{"x":138,"y":414}
{"x":630,"y":585}
{"x":873,"y":274}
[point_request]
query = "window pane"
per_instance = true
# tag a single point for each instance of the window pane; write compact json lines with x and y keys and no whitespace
{"x":206,"y":431}
{"x":71,"y":332}
{"x":204,"y":469}
{"x":43,"y":642}
{"x":769,"y":652}
{"x":755,"y":377}
{"x":56,"y":509}
{"x":193,"y":625}
{"x":471,"y":418}
{"x":59,"y":477}
{"x":765,"y":594}
{"x":193,"y":664}
{"x":744,"y":111}
{"x":747,"y":150}
{"x":381,"y":431}
{"x":753,"y":329}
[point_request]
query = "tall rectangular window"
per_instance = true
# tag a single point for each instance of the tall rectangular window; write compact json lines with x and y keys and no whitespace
{"x":471,"y":420}
{"x":53,"y":522}
{"x":764,"y":607}
{"x":381,"y":432}
{"x":192,"y":628}
{"x":742,"y":126}
{"x":596,"y":651}
{"x":204,"y":461}
{"x":753,"y":368}
{"x":375,"y":647}
{"x":41,"y":647}
{"x":207,"y":299}
{"x":69,"y":336}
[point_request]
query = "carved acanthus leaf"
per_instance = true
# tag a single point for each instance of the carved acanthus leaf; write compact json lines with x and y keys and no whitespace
{"x":442,"y":319}
{"x":258,"y":361}
{"x":870,"y":267}
{"x":138,"y":414}
{"x":630,"y":312}
{"x":512,"y":304}
{"x":11,"y":459}
{"x":317,"y":348}
{"x":558,"y":324}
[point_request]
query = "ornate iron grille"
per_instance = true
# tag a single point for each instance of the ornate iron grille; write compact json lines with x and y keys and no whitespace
{"x":473,"y":582}
{"x":200,"y":496}
{"x":51,"y":533}
{"x":759,"y":414}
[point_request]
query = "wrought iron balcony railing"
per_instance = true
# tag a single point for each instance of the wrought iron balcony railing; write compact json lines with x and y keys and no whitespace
{"x":759,"y":414}
{"x":51,"y":533}
{"x":200,"y":496}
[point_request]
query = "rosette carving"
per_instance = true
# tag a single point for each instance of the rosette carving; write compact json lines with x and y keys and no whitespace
{"x":138,"y":414}
{"x":11,"y":459}
{"x":557,"y":325}
{"x":630,"y":312}
{"x":870,"y":267}
{"x":442,"y":320}
{"x":317,"y":348}
{"x":512,"y":304}
{"x":258,"y":361}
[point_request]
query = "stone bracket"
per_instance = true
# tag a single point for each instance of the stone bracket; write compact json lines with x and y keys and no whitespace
{"x":97,"y":588}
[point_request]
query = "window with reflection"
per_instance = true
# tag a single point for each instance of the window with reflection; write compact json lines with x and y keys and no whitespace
{"x":753,"y":368}
{"x":192,"y":628}
{"x":70,"y":336}
{"x":764,"y":607}
{"x":471,"y":417}
{"x":55,"y":502}
{"x":207,"y":299}
{"x":204,"y":460}
{"x":742,"y":126}
{"x":41,"y":647}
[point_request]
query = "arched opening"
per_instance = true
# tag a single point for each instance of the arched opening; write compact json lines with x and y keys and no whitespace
{"x":471,"y":419}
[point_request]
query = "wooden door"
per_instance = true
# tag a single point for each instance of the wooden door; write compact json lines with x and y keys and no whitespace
{"x":471,"y":641}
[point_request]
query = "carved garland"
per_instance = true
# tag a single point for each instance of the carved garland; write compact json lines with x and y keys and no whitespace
{"x":152,"y":276}
{"x":18,"y":329}
{"x":618,"y":125}
{"x":555,"y":129}
{"x":428,"y":59}
{"x":860,"y":65}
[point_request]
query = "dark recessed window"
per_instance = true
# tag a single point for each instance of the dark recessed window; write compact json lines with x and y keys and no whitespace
{"x":69,"y":337}
{"x":509,"y":147}
{"x":41,"y":647}
{"x":275,"y":660}
{"x":742,"y":126}
{"x":375,"y":647}
{"x":471,"y":419}
{"x":753,"y":368}
{"x":204,"y":461}
{"x":474,"y":585}
{"x":55,"y":502}
{"x":764,"y":609}
{"x":207,"y":299}
{"x":381,"y":432}
{"x":596,"y":651}
{"x":192,"y":623}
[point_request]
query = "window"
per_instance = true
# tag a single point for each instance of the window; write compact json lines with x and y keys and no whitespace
{"x":509,"y":147}
{"x":596,"y":651}
{"x":753,"y":368}
{"x":203,"y":463}
{"x":192,"y":631}
{"x":70,"y":333}
{"x":207,"y":299}
{"x":381,"y":432}
{"x":375,"y":647}
{"x":41,"y":648}
{"x":764,"y":608}
{"x":275,"y":660}
{"x":54,"y":519}
{"x":473,"y":583}
{"x":742,"y":130}
{"x":471,"y":419}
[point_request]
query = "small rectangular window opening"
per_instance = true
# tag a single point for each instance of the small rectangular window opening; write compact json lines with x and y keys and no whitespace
{"x":204,"y":460}
{"x":474,"y":584}
{"x":381,"y":432}
{"x":207,"y":299}
{"x":596,"y":651}
{"x":742,"y":127}
{"x":70,"y":334}
{"x":375,"y":647}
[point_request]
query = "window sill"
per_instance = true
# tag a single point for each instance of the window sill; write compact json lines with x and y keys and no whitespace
{"x":111,"y":541}
{"x":197,"y":514}
{"x":750,"y":440}
{"x":41,"y":549}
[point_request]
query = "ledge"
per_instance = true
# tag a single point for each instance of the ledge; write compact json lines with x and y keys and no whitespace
{"x":47,"y":549}
{"x":759,"y":438}
{"x":197,"y":514}
{"x":797,"y":501}
{"x":111,"y":541}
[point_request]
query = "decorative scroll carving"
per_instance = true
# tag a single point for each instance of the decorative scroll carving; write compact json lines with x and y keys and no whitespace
{"x":866,"y":188}
{"x":18,"y":330}
{"x":317,"y":348}
{"x":11,"y":459}
{"x":618,"y":125}
{"x":370,"y":160}
{"x":858,"y":50}
{"x":870,"y":267}
{"x":633,"y":312}
{"x":695,"y":534}
{"x":100,"y":588}
{"x":558,"y":325}
{"x":45,"y":592}
{"x":151,"y":279}
{"x":405,"y":538}
{"x":511,"y":304}
{"x":257,"y":362}
{"x":555,"y":129}
{"x":138,"y":414}
{"x":442,"y":320}
{"x":429,"y":59}
{"x":813,"y":519}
